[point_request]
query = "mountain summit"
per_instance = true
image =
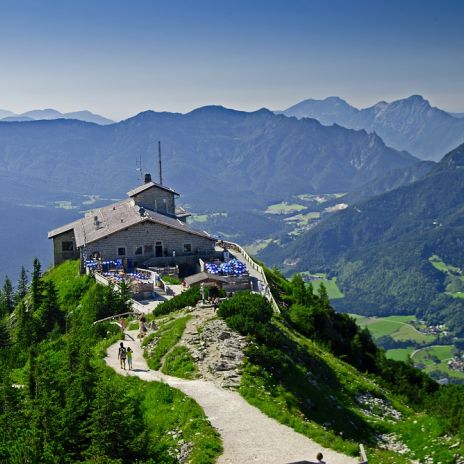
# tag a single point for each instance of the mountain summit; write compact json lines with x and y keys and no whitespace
{"x":50,"y":113}
{"x":410,"y":124}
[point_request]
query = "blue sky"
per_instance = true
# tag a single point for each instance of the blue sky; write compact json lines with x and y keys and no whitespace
{"x":118,"y":58}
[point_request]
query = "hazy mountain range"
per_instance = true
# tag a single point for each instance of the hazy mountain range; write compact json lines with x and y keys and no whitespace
{"x":380,"y":249}
{"x":410,"y":124}
{"x":218,"y":159}
{"x":49,"y":113}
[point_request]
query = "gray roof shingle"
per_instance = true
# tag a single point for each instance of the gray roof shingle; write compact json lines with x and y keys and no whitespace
{"x":116,"y":217}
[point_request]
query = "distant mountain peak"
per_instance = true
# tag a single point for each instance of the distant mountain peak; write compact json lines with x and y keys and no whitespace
{"x":51,"y":113}
{"x":410,"y":124}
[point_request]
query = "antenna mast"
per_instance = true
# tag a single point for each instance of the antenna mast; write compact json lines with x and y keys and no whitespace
{"x":138,"y":165}
{"x":159,"y":162}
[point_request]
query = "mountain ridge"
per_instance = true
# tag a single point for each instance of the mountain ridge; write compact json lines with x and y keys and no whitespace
{"x":50,"y":113}
{"x":380,"y":248}
{"x":410,"y":124}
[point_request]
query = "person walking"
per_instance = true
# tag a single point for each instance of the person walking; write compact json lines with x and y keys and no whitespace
{"x":129,"y":353}
{"x":122,"y":355}
{"x":320,"y":458}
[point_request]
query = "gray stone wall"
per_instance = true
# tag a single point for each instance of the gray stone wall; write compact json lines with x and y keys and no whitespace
{"x":60,"y":254}
{"x":146,"y":235}
{"x":156,"y":199}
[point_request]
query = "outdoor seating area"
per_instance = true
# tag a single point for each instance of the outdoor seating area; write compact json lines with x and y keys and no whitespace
{"x":234,"y":267}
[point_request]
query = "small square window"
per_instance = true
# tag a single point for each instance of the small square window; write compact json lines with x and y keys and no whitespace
{"x":67,"y":246}
{"x":148,"y":249}
{"x":122,"y":251}
{"x":138,"y":251}
{"x":187,"y":247}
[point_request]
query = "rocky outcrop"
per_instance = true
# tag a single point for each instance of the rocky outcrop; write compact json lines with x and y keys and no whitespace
{"x":377,"y":407}
{"x":217,"y":349}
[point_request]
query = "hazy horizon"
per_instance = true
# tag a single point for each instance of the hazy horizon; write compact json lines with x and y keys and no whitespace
{"x":100,"y":113}
{"x":118,"y":58}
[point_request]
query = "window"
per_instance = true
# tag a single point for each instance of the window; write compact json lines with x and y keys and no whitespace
{"x":122,"y":251}
{"x":148,"y":249}
{"x":138,"y":251}
{"x":67,"y":246}
{"x":187,"y":247}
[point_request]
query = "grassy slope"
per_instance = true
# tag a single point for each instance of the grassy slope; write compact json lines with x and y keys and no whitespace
{"x":164,"y":409}
{"x":331,"y":415}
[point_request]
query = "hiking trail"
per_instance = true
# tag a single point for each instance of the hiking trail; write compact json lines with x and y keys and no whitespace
{"x":248,"y":435}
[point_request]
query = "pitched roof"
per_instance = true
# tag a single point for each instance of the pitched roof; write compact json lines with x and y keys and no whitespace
{"x":62,"y":229}
{"x":113,"y":218}
{"x":147,"y":186}
{"x":201,"y":276}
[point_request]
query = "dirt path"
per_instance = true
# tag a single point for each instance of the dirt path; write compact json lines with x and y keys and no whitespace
{"x":248,"y":435}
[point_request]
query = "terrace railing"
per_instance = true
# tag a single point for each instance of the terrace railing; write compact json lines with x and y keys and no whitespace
{"x":267,"y":289}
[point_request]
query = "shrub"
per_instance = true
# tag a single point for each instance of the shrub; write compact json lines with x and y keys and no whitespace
{"x":188,"y":298}
{"x":170,"y":280}
{"x":252,"y":307}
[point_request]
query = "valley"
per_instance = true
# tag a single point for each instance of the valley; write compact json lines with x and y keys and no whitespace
{"x":429,"y":348}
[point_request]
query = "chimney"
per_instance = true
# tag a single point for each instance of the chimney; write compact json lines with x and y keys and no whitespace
{"x":147,"y":177}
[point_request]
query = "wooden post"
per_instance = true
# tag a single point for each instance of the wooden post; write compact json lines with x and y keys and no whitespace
{"x":363,"y":454}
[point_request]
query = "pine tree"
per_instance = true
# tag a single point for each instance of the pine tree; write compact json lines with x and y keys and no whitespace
{"x":4,"y":336}
{"x":123,"y":297}
{"x":36,"y":285}
{"x":302,"y":293}
{"x":324,"y":301}
{"x":25,"y":327}
{"x":21,"y":288}
{"x":6,"y":298}
{"x":50,"y":313}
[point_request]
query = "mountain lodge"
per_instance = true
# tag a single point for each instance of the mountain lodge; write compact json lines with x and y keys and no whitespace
{"x":146,"y":229}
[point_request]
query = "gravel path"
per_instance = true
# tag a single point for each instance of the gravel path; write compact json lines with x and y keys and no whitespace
{"x":248,"y":436}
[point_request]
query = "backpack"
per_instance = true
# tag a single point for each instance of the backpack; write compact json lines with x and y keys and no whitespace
{"x":122,"y":352}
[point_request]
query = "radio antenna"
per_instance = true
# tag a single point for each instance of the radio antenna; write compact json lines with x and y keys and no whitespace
{"x":159,"y":162}
{"x":138,"y":165}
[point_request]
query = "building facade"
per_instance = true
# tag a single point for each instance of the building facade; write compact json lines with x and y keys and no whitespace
{"x":145,"y":229}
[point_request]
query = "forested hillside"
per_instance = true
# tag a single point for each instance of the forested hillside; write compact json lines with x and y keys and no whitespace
{"x":240,"y":158}
{"x":380,"y":249}
{"x":60,"y":404}
{"x":309,"y":368}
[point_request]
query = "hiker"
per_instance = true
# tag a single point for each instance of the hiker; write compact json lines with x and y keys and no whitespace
{"x":122,"y":354}
{"x":153,"y":326}
{"x":319,"y":458}
{"x":142,"y":327}
{"x":129,"y":357}
{"x":122,"y":324}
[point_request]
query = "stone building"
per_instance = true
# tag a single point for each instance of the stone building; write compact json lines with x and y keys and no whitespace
{"x":146,"y":229}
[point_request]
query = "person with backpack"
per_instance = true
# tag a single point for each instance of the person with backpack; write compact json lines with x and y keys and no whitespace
{"x":129,"y":353}
{"x":122,"y":355}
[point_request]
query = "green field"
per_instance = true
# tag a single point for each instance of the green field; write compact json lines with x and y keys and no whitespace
{"x":64,"y":204}
{"x":429,"y":359}
{"x":205,"y":217}
{"x":304,"y":219}
{"x":321,"y":198}
{"x":258,"y":245}
{"x":399,"y":354}
{"x":330,"y":284}
{"x":433,"y":355}
{"x":396,"y":327}
{"x":455,"y":278}
{"x":284,"y":208}
{"x":437,"y":263}
{"x":435,"y":358}
{"x":443,"y":367}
